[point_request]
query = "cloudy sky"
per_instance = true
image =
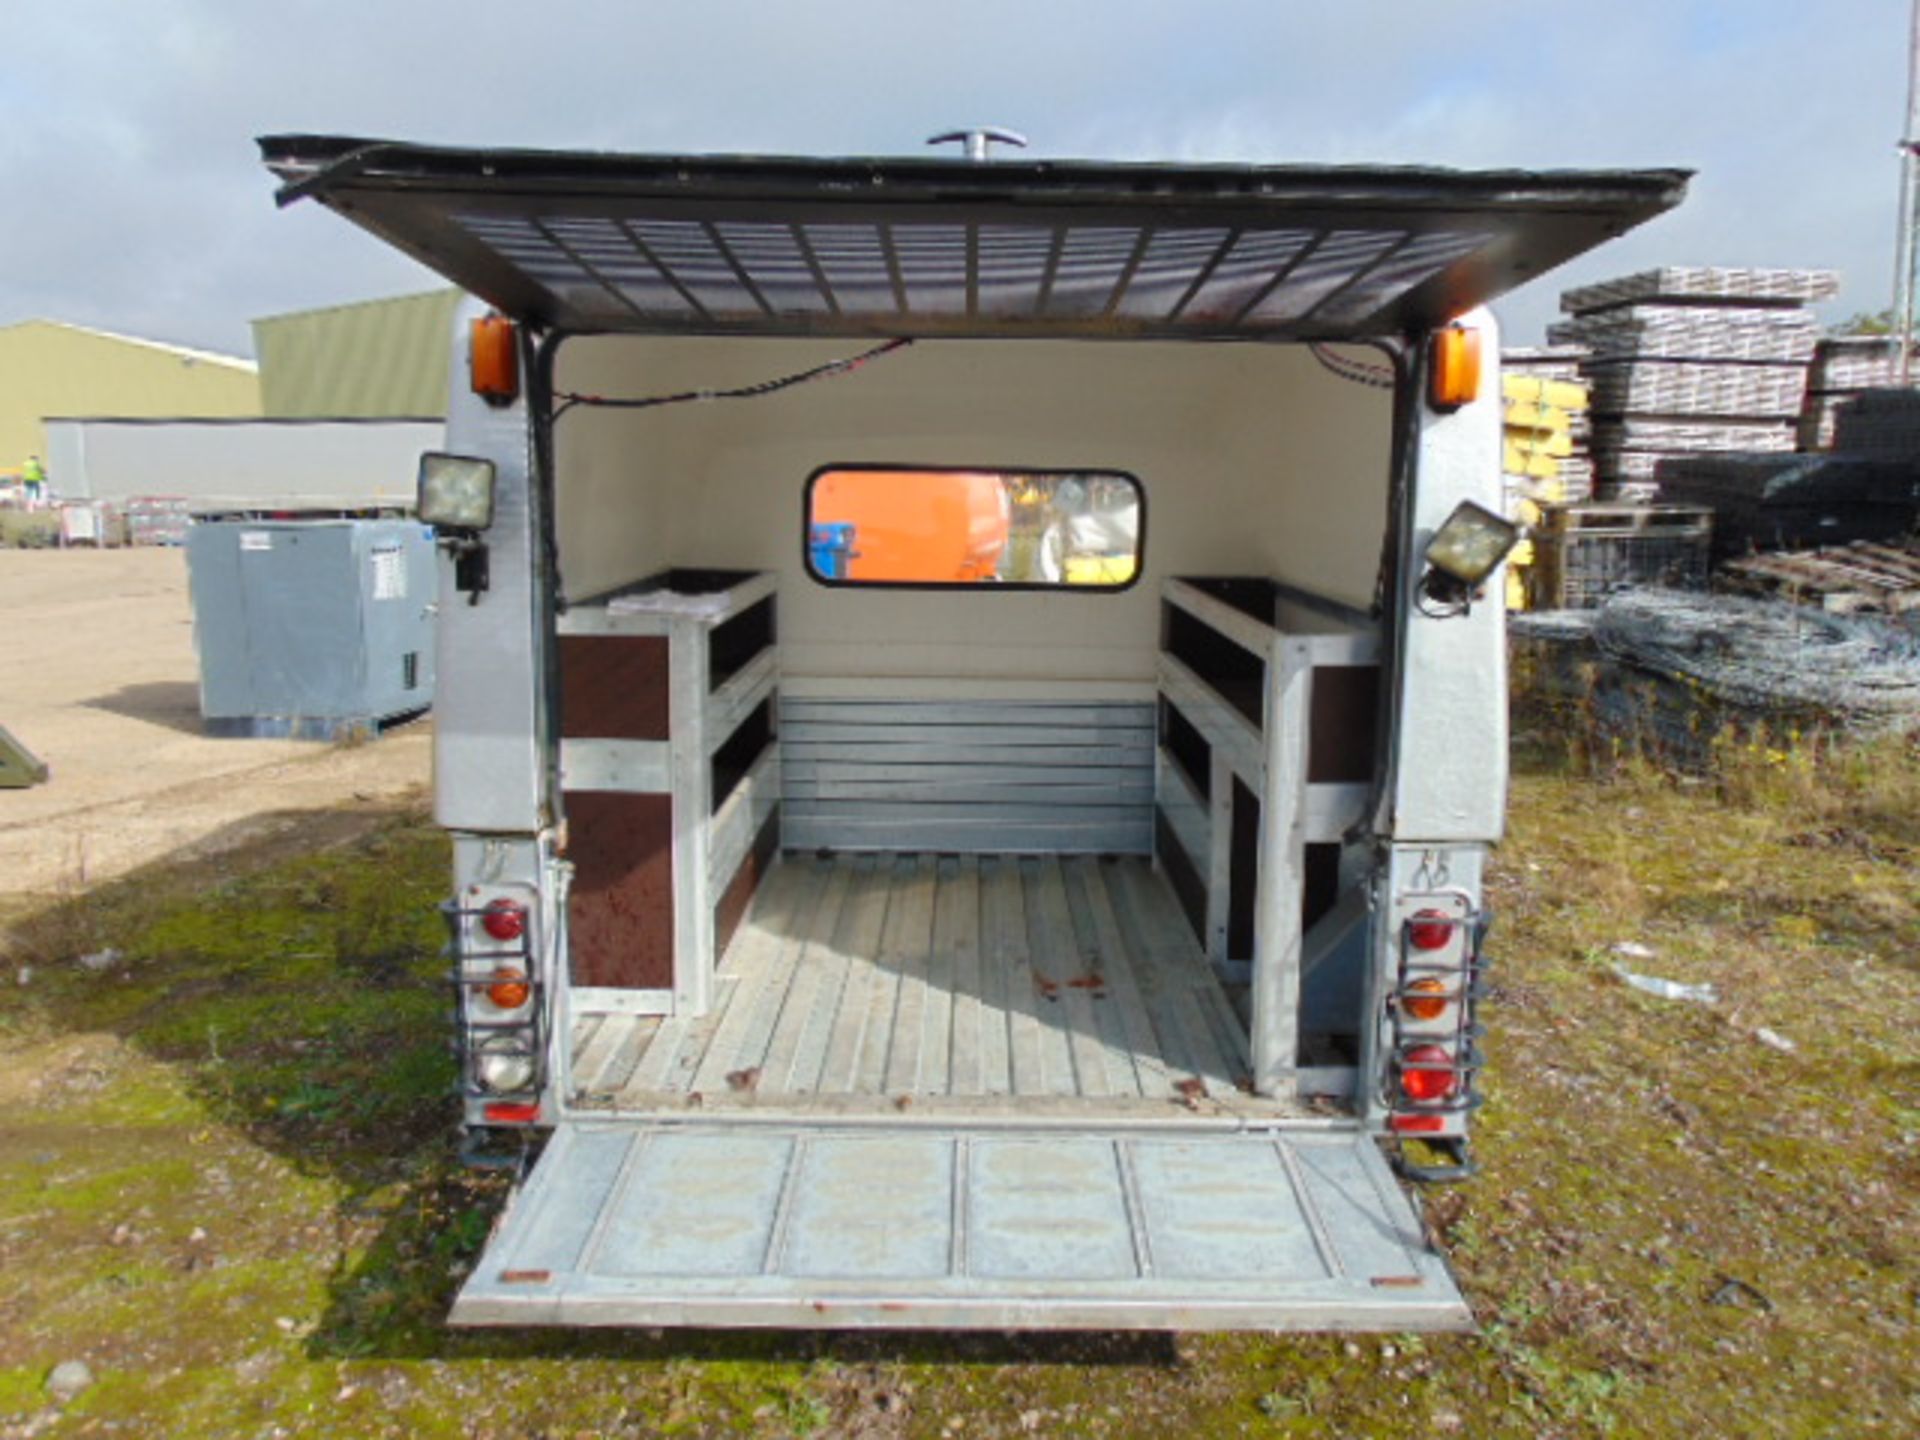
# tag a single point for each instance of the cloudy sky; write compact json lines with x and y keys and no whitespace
{"x":133,"y":199}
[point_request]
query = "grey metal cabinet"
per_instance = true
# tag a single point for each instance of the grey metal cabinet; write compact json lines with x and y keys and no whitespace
{"x":311,"y":628}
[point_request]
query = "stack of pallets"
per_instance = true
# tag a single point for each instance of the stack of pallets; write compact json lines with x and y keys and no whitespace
{"x":1550,"y":446}
{"x":157,"y":519}
{"x":1587,"y":552}
{"x":1689,"y":359}
{"x":1545,"y":456}
{"x":1844,"y":369}
{"x":1861,"y":577}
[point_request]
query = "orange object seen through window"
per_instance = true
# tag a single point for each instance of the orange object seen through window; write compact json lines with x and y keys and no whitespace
{"x":973,"y":527}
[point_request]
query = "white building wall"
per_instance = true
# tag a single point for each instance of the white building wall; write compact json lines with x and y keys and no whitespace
{"x":322,"y":463}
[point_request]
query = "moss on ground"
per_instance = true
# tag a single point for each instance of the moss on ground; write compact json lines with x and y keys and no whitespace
{"x":227,"y":1180}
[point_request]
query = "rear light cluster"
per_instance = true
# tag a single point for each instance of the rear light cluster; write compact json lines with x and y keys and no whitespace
{"x":502,"y":1015}
{"x":505,"y":920}
{"x":1434,"y":1055}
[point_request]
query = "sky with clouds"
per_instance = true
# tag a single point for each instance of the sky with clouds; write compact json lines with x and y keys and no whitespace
{"x":134,"y":201}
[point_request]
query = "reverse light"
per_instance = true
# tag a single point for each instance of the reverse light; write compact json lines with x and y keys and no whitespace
{"x":1427,"y":1074}
{"x":503,"y":1065}
{"x":504,"y":919}
{"x":510,"y":988}
{"x":1429,"y":930}
{"x":1425,"y":999}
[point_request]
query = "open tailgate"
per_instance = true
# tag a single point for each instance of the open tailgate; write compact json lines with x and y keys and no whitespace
{"x":923,"y":1226}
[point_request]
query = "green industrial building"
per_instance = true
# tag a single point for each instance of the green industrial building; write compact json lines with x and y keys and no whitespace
{"x":372,"y":360}
{"x":378,"y":359}
{"x":52,"y":369}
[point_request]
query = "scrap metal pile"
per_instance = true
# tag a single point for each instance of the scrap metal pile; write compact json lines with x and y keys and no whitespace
{"x":1763,"y":655}
{"x":1689,"y":359}
{"x":1669,"y":673}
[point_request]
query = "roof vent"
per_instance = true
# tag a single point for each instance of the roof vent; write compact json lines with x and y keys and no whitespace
{"x":978,"y":138}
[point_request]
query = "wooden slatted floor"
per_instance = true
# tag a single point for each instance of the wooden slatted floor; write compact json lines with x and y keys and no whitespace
{"x":894,"y":982}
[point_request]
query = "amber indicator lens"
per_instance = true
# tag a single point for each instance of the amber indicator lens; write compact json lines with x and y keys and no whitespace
{"x":1425,"y":999}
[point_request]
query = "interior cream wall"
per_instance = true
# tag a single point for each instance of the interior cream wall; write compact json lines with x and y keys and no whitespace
{"x":1255,"y":460}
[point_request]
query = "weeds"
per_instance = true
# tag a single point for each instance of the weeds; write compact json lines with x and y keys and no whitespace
{"x":269,"y":1066}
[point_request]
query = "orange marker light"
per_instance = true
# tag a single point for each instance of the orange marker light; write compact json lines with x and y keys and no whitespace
{"x":1426,"y":999}
{"x":493,"y":360}
{"x":509,"y":989}
{"x":1453,"y":371}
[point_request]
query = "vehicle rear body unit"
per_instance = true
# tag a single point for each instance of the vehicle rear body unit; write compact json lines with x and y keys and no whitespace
{"x":968,"y":738}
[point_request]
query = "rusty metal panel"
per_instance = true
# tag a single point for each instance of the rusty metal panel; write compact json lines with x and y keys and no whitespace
{"x":732,"y":905}
{"x":613,"y":687}
{"x":620,"y":910}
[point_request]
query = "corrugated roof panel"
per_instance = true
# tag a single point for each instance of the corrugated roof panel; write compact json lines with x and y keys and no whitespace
{"x":1093,"y":266}
{"x":1167,"y":270}
{"x":1012,"y":263}
{"x":1337,"y":261}
{"x":1239,"y":277}
{"x":824,"y":247}
{"x":1414,"y":263}
{"x":782,"y":265}
{"x":855,"y":262}
{"x":933,"y":266}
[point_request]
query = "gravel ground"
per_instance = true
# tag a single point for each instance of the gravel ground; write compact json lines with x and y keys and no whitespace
{"x":101,"y":683}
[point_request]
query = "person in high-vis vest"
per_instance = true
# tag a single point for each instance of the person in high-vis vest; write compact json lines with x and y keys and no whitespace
{"x":33,"y":475}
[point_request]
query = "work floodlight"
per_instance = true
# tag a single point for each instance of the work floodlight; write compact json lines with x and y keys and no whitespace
{"x":456,"y":492}
{"x":456,"y":498}
{"x":1464,"y":551}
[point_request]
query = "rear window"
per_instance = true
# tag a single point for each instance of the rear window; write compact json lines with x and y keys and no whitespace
{"x":976,"y":529}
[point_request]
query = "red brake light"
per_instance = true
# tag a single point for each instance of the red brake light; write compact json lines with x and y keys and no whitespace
{"x":1417,"y":1124}
{"x":1427,"y":1074}
{"x":504,"y":919}
{"x":511,"y":1112}
{"x":1430,"y":929}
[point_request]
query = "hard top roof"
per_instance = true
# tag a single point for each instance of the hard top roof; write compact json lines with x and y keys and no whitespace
{"x":592,"y":242}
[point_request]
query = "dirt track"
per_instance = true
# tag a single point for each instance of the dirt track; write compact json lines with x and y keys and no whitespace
{"x":101,"y":682}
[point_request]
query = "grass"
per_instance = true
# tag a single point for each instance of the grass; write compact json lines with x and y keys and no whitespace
{"x":227,"y":1178}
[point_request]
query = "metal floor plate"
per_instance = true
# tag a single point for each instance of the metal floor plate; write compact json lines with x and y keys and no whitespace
{"x":684,"y":1224}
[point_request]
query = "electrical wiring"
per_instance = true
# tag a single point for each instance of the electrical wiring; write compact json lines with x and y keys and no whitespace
{"x":833,"y":368}
{"x":1360,"y":372}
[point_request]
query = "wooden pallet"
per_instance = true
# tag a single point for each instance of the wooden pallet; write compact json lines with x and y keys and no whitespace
{"x":1841,"y":580}
{"x":1624,"y":519}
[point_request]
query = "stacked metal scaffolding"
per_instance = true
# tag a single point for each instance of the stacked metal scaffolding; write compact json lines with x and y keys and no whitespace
{"x":1765,"y":502}
{"x":1688,"y":359}
{"x":1845,"y":368}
